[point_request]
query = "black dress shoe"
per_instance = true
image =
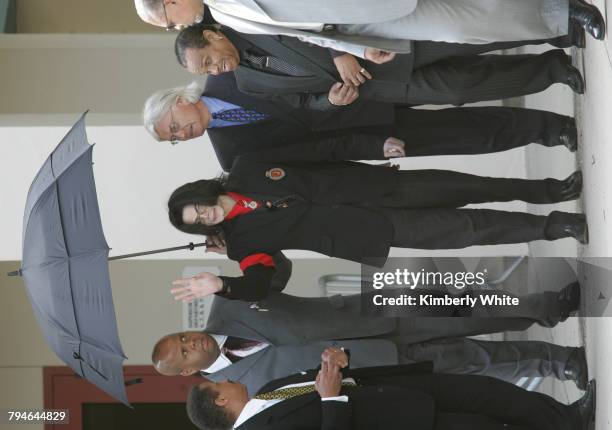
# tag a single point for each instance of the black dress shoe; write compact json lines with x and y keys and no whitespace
{"x":572,"y":186}
{"x":578,"y":37}
{"x":586,"y":405}
{"x":570,"y":297}
{"x":568,"y":136}
{"x":565,"y":224}
{"x":588,"y":17}
{"x":573,"y":78}
{"x":576,"y":368}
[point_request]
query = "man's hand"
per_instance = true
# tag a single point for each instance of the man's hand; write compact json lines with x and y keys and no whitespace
{"x":350,"y":70}
{"x":342,"y":94}
{"x":394,"y":148}
{"x":216,"y":244}
{"x":329,"y":380}
{"x":335,"y":356}
{"x":378,"y":56}
{"x":202,"y":285}
{"x":389,"y":165}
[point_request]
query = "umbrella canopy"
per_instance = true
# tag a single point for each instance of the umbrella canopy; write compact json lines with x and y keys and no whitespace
{"x":65,"y":267}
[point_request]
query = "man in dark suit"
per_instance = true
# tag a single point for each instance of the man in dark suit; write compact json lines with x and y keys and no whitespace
{"x":307,"y":197}
{"x":275,"y":122}
{"x":284,"y":334}
{"x":383,"y":398}
{"x":305,"y":75}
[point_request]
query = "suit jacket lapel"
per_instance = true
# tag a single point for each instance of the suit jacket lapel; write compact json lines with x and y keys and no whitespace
{"x":275,"y":46}
{"x":237,"y":370}
{"x":236,"y":328}
{"x":297,"y":378}
{"x":257,"y":82}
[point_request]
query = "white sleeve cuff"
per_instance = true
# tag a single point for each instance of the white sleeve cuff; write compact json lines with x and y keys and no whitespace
{"x":335,"y":399}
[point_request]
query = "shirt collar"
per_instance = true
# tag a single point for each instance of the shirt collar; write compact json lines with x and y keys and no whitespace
{"x":252,"y":408}
{"x":222,"y":361}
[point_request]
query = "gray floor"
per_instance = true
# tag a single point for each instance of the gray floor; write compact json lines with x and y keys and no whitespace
{"x":593,"y":112}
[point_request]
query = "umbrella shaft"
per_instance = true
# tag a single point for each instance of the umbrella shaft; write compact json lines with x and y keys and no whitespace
{"x":191,"y":246}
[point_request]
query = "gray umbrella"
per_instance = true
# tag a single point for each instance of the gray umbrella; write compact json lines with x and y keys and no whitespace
{"x":65,"y":265}
{"x":65,"y":269}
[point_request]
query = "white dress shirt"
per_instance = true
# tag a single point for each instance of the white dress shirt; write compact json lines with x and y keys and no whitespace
{"x":222,"y":361}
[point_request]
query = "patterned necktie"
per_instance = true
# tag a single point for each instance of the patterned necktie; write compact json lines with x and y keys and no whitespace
{"x":287,"y":393}
{"x":236,"y":348}
{"x":239,"y":115}
{"x":275,"y":64}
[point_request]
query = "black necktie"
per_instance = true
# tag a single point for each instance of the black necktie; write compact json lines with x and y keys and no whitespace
{"x":274,"y":64}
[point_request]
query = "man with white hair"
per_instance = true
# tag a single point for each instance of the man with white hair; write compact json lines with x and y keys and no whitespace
{"x":352,"y":25}
{"x":238,"y":123}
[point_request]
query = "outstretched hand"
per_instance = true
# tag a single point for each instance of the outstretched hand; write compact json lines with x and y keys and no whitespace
{"x":201,"y":285}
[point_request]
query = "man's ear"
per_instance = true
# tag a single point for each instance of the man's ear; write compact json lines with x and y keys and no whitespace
{"x":221,"y":400}
{"x":212,"y":35}
{"x":188,"y":372}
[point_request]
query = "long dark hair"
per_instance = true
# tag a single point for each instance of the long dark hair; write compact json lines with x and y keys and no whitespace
{"x":205,"y":192}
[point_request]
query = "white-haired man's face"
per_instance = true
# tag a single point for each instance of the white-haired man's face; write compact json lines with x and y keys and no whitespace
{"x":184,"y":121}
{"x":177,"y":14}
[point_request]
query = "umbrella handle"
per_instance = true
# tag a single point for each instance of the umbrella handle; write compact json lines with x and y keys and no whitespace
{"x":14,"y":273}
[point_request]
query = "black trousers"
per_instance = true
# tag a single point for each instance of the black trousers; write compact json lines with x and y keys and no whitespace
{"x":418,"y":189}
{"x":473,"y":130}
{"x":456,"y":74}
{"x":423,"y":209}
{"x":471,"y":402}
{"x":460,"y":228}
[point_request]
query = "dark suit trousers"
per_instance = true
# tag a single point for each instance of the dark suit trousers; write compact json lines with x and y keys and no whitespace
{"x":460,"y":228}
{"x":458,"y":76}
{"x":478,"y":402}
{"x":418,"y":189}
{"x":422,"y":209}
{"x":474,"y":130}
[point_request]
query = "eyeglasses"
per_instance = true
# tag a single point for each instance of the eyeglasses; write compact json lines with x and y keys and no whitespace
{"x":174,"y":128}
{"x":199,"y":214}
{"x":172,"y":27}
{"x":169,"y":27}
